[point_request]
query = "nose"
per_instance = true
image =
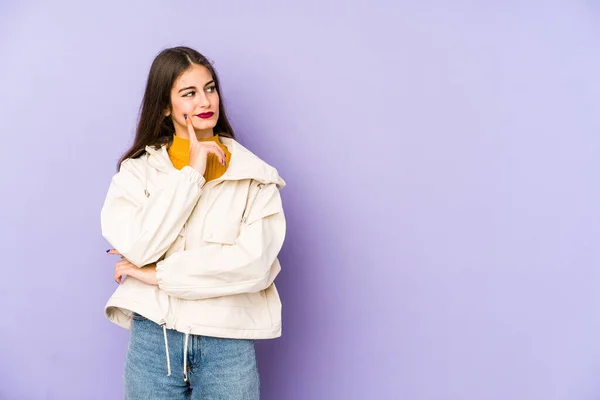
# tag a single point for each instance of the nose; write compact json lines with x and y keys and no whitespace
{"x":203,"y":101}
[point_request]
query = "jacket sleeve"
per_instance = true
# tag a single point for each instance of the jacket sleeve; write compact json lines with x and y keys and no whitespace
{"x":217,"y":269}
{"x":143,"y":227}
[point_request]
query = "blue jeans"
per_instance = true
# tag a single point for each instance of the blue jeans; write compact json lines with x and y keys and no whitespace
{"x":218,"y":369}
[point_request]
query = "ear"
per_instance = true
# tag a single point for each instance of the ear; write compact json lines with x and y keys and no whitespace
{"x":167,"y":112}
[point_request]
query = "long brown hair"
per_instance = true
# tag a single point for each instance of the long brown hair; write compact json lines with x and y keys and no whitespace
{"x":154,"y":128}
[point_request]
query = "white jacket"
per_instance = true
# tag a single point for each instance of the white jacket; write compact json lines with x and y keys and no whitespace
{"x":215,"y":244}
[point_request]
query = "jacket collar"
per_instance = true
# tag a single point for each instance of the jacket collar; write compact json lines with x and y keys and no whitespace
{"x":243,"y":164}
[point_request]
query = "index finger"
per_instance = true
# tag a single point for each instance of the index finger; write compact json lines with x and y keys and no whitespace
{"x":190,"y":128}
{"x":113,"y":251}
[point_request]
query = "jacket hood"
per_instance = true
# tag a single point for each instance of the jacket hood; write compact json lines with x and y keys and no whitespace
{"x":243,"y":164}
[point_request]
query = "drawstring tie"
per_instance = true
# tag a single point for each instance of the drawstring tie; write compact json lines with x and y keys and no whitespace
{"x":185,"y":355}
{"x":164,"y":326}
{"x":185,"y":351}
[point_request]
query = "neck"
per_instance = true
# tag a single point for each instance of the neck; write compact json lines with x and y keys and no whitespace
{"x":182,"y":132}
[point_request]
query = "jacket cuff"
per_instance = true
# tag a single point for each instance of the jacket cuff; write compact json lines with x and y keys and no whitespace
{"x":193,"y":175}
{"x":159,"y":273}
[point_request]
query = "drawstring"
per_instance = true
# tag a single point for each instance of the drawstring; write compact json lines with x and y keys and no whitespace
{"x":185,"y":351}
{"x":146,"y":174}
{"x":164,"y":325}
{"x":251,"y":203}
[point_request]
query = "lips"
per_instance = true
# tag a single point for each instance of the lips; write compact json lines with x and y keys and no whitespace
{"x":206,"y":115}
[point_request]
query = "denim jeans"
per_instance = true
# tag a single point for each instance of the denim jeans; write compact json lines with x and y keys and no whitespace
{"x":218,"y":369}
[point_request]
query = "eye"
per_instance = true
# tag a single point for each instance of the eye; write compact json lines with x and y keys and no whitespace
{"x":188,"y":94}
{"x":211,"y":89}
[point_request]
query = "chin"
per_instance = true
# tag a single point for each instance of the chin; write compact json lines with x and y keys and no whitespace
{"x":205,"y":125}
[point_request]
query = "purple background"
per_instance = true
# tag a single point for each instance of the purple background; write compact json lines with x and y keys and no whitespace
{"x":443,"y":200}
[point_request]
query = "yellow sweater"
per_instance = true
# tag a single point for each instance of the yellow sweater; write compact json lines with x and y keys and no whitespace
{"x":179,"y":153}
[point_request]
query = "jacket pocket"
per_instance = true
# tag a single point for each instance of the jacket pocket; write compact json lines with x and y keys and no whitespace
{"x":223,"y":220}
{"x":226,"y":233}
{"x":266,"y":202}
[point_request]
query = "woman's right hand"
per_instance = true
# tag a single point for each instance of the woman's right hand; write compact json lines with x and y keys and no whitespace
{"x":199,"y":150}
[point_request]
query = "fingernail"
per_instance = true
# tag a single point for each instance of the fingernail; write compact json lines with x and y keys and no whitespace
{"x":224,"y":163}
{"x":107,"y":250}
{"x":185,"y":116}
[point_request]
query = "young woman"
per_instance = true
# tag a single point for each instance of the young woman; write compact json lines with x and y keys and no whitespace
{"x":198,"y":223}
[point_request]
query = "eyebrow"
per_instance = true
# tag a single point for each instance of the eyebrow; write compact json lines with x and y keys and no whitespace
{"x":194,"y":87}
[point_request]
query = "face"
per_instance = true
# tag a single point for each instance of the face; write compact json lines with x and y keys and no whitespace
{"x":194,"y":93}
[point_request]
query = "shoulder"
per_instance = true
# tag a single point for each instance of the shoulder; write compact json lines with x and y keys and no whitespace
{"x":150,"y":157}
{"x":132,"y":168}
{"x":246,"y":163}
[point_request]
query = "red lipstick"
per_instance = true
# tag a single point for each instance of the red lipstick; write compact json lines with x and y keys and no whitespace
{"x":205,"y":115}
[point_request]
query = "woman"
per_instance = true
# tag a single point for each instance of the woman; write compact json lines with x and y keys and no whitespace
{"x":198,"y":223}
